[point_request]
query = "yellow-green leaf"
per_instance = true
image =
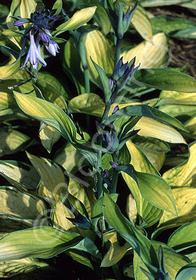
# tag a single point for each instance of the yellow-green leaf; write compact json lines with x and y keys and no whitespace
{"x":19,"y":174}
{"x":78,"y":19}
{"x":48,"y":136}
{"x":99,"y":50}
{"x":22,"y":266}
{"x":142,"y":24}
{"x":116,"y":252}
{"x":146,"y":210}
{"x":186,"y":208}
{"x":48,"y":112}
{"x":149,"y":54}
{"x":45,"y":242}
{"x":9,"y":69}
{"x":152,"y":128}
{"x":20,"y":204}
{"x":183,"y":174}
{"x":52,"y":176}
{"x":87,"y":103}
{"x":11,"y":141}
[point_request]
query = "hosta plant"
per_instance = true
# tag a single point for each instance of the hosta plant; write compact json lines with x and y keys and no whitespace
{"x":86,"y":161}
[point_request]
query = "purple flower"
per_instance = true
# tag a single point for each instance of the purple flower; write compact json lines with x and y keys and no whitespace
{"x":19,"y":23}
{"x":105,"y":173}
{"x":39,"y":31}
{"x":34,"y":55}
{"x":113,"y":164}
{"x":45,"y":35}
{"x":52,"y":48}
{"x":115,"y":109}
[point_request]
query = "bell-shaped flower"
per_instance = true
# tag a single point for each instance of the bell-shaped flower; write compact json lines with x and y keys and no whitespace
{"x":52,"y":48}
{"x":34,"y":54}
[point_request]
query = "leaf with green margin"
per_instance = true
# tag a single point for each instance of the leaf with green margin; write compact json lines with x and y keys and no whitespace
{"x":99,"y":50}
{"x":173,"y":262}
{"x":183,"y":174}
{"x":184,"y":237}
{"x":141,"y":244}
{"x":187,"y":272}
{"x":54,"y":180}
{"x":147,"y":211}
{"x":156,"y":191}
{"x":78,"y":19}
{"x":12,"y":141}
{"x":142,"y":23}
{"x":9,"y":69}
{"x":47,"y":112}
{"x":149,"y":127}
{"x":116,"y":252}
{"x":87,"y":103}
{"x":154,"y":149}
{"x":46,"y":242}
{"x":20,"y":204}
{"x":68,"y":157}
{"x":19,"y":174}
{"x":165,"y":79}
{"x":26,"y":8}
{"x":48,"y":136}
{"x":149,"y":54}
{"x":186,"y":209}
{"x":102,"y":19}
{"x":16,"y":267}
{"x":52,"y":89}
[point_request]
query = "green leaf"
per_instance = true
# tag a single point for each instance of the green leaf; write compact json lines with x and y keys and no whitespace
{"x":131,"y":234}
{"x":189,"y":32}
{"x":46,"y":242}
{"x":57,"y":6}
{"x":184,"y":237}
{"x":78,"y":19}
{"x":47,"y":112}
{"x":104,"y":81}
{"x":173,"y":262}
{"x":186,"y":272}
{"x":48,"y":136}
{"x":87,"y":103}
{"x":146,"y":111}
{"x":165,"y":78}
{"x":169,"y":24}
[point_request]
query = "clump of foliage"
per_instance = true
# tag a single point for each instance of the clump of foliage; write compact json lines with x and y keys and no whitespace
{"x":88,"y":164}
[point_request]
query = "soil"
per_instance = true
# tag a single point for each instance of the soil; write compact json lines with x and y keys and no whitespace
{"x":182,"y":50}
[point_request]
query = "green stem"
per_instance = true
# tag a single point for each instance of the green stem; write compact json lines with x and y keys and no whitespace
{"x":117,"y":50}
{"x":115,"y":175}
